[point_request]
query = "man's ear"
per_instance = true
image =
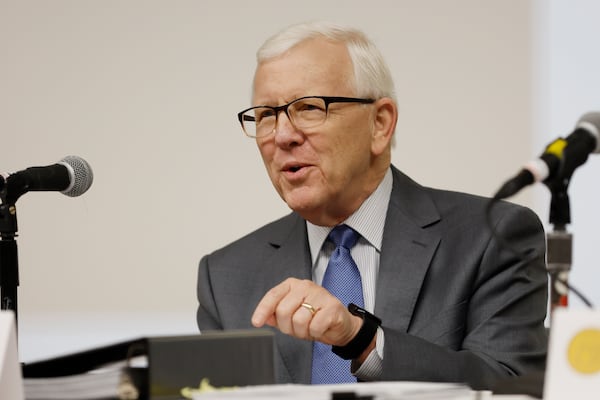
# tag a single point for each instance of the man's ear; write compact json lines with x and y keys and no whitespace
{"x":384,"y":124}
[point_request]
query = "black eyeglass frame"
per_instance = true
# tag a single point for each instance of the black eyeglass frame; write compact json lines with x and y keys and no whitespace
{"x":277,"y":109}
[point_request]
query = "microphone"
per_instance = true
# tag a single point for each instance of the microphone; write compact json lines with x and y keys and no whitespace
{"x":72,"y":176}
{"x":560,"y":158}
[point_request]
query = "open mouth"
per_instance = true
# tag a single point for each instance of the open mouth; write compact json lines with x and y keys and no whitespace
{"x":293,"y":168}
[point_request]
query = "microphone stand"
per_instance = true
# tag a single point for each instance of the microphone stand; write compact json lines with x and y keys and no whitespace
{"x":559,"y":243}
{"x":9,"y":269}
{"x":10,"y":191}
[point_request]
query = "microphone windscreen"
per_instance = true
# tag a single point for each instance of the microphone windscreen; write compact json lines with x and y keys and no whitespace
{"x":591,"y":123}
{"x":81,"y":175}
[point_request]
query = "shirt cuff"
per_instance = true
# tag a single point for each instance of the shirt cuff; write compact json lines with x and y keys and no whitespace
{"x":371,"y":369}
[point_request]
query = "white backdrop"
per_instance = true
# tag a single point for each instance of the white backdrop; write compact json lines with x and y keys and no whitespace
{"x":570,"y":71}
{"x":147,"y":92}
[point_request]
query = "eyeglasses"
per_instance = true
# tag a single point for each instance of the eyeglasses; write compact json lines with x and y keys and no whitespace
{"x":303,"y":113}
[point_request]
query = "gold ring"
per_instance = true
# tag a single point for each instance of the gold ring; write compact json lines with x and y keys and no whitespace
{"x":310,"y":308}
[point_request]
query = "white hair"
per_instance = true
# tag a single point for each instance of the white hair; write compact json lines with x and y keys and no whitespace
{"x":372,"y":77}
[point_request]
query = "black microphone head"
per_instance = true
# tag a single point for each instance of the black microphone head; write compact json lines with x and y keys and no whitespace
{"x":81,"y":175}
{"x":590,"y":122}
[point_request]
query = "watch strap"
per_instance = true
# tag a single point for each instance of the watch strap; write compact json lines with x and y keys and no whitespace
{"x":363,"y":338}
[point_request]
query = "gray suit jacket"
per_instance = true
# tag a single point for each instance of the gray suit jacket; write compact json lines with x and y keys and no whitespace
{"x":455,"y":304}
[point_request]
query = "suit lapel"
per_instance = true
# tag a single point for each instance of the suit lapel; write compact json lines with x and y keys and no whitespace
{"x":291,"y":258}
{"x":406,"y":252}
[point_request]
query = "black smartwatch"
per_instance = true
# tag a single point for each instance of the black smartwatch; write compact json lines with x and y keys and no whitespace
{"x":364,"y":336}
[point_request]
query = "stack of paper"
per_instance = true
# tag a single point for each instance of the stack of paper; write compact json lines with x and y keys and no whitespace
{"x":372,"y":390}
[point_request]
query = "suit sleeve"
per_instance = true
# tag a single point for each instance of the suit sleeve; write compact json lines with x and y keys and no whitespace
{"x":504,"y":331}
{"x":207,"y":314}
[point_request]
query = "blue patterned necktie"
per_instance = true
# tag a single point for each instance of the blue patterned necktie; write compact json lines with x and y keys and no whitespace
{"x":342,"y":279}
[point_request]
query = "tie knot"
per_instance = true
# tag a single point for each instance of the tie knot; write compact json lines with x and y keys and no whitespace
{"x":343,"y":235}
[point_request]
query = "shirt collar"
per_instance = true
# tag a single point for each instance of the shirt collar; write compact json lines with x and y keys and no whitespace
{"x":368,"y":220}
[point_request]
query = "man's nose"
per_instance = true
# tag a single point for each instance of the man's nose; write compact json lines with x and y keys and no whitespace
{"x":286,"y":134}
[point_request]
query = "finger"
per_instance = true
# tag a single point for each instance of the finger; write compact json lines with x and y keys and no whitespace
{"x":334,"y":324}
{"x":264,"y":313}
{"x":287,"y":309}
{"x":301,"y":320}
{"x":271,"y":321}
{"x":321,"y":323}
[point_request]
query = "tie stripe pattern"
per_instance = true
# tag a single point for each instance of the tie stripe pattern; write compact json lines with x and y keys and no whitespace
{"x":342,"y":279}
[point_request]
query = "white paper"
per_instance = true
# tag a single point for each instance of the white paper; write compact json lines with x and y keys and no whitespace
{"x":379,"y":391}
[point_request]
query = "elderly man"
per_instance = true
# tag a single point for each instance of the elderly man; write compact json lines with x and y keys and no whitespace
{"x":371,"y":276}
